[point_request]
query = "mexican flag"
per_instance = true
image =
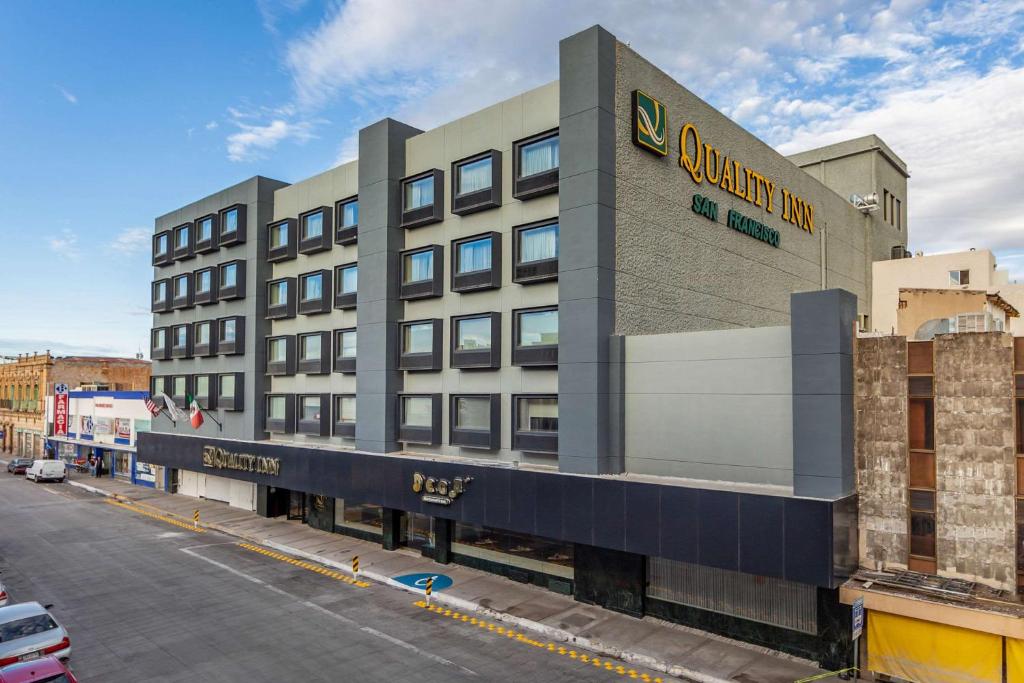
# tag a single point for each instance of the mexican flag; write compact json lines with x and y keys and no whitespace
{"x":195,"y":414}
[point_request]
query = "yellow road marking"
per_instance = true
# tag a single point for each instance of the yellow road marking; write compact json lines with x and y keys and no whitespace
{"x":162,"y":518}
{"x":580,"y":657}
{"x":306,"y":565}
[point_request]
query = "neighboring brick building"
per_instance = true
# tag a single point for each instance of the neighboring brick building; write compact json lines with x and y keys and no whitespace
{"x":25,"y":382}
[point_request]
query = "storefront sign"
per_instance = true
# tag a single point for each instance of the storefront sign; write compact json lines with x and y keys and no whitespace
{"x":708,"y":164}
{"x":60,"y":412}
{"x":87,"y":425}
{"x":220,"y":458}
{"x":439,"y":491}
{"x":123,"y":427}
{"x":103,"y":426}
{"x":735,"y":220}
{"x":103,"y":402}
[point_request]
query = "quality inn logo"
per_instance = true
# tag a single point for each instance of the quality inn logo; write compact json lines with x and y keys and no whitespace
{"x":650,"y":123}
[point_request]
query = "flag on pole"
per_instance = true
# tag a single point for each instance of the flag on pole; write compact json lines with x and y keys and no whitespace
{"x":153,"y":408}
{"x":172,"y":410}
{"x":195,"y":414}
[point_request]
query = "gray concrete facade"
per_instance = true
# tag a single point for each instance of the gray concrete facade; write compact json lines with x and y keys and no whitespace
{"x":257,"y":194}
{"x":823,"y":422}
{"x":381,"y":237}
{"x":588,"y":441}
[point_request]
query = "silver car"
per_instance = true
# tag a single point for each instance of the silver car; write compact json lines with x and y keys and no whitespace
{"x":29,"y":631}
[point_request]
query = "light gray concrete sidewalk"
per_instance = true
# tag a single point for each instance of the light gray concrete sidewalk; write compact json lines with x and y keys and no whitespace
{"x":676,"y":650}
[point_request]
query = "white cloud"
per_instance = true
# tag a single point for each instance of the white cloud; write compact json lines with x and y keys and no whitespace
{"x":252,"y":140}
{"x":211,"y":125}
{"x":66,"y":94}
{"x":64,"y":244}
{"x":132,"y":241}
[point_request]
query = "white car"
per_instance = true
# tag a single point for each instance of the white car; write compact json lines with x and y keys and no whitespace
{"x":46,"y":470}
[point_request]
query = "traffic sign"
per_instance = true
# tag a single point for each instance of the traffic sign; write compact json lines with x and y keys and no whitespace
{"x":419,"y":581}
{"x":858,"y":618}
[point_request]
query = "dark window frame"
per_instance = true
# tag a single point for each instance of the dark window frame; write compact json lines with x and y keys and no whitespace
{"x":339,"y":428}
{"x":344,"y":364}
{"x":186,"y":301}
{"x":489,"y":439}
{"x":345,"y":235}
{"x":179,"y":351}
{"x":286,"y":309}
{"x":235,"y":402}
{"x":545,"y":355}
{"x":423,"y":215}
{"x":203,"y":350}
{"x":238,"y":235}
{"x":480,"y":200}
{"x":322,"y":242}
{"x":153,"y":391}
{"x":538,"y":184}
{"x":429,"y":436}
{"x":211,"y":244}
{"x":232,"y":348}
{"x":168,"y":256}
{"x":209,"y":297}
{"x":288,"y":366}
{"x":421,"y":362}
{"x":322,"y":304}
{"x":179,"y":398}
{"x":209,"y":401}
{"x":477,"y":280}
{"x":482,"y":359}
{"x":188,"y":251}
{"x":347,"y":300}
{"x":315,"y":427}
{"x":163,"y":305}
{"x":290,"y":249}
{"x":533,"y":442}
{"x":162,"y":352}
{"x":533,"y":271}
{"x":318,"y":366}
{"x":422,"y":289}
{"x":283,"y":425}
{"x":226,"y":292}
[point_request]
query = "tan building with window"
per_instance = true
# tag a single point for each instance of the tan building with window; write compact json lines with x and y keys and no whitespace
{"x":968,"y":271}
{"x":923,"y":313}
{"x":26,"y":380}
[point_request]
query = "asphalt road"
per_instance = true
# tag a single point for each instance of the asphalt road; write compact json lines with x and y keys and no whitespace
{"x":148,"y":601}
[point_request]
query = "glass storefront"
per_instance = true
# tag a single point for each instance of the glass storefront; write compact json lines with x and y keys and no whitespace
{"x":532,"y":553}
{"x":359,"y":516}
{"x":418,"y":532}
{"x":123,"y":464}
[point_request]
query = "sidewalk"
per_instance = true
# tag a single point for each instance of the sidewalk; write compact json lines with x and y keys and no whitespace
{"x":676,"y":650}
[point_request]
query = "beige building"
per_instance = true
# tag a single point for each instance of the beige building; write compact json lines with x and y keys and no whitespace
{"x":971,"y":271}
{"x":923,"y":313}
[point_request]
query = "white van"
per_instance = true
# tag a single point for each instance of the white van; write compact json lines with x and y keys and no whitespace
{"x":43,"y":470}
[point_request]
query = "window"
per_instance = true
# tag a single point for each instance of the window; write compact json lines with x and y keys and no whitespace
{"x":348,"y":216}
{"x":281,"y":298}
{"x":313,"y":225}
{"x":202,"y":387}
{"x":535,"y":337}
{"x":228,"y":331}
{"x":535,"y":165}
{"x":229,"y":275}
{"x":204,"y":229}
{"x":181,"y":287}
{"x":349,"y":280}
{"x":419,"y":193}
{"x":418,"y":266}
{"x":229,"y":222}
{"x":538,"y":244}
{"x":418,"y":338}
{"x":535,"y":423}
{"x":416,"y":411}
{"x":163,"y":243}
{"x":472,"y":542}
{"x":474,"y":176}
{"x":310,"y":347}
{"x":278,"y":292}
{"x":476,"y":421}
{"x":473,"y":256}
{"x":226,"y":388}
{"x":279,"y":235}
{"x":538,"y":157}
{"x":181,"y":238}
{"x":277,"y":350}
{"x":347,"y":344}
{"x":312,"y":287}
{"x":179,"y":386}
{"x":310,"y":408}
{"x":473,"y":334}
{"x":959,"y":277}
{"x":202,"y":333}
{"x":158,"y":386}
{"x":472,"y":412}
{"x":345,"y":409}
{"x":180,"y":336}
{"x":276,"y":407}
{"x":160,"y":301}
{"x":159,"y":338}
{"x":204,"y":282}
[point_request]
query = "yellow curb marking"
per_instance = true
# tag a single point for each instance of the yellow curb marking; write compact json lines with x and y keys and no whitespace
{"x":606,"y":664}
{"x":153,"y":515}
{"x":305,"y":565}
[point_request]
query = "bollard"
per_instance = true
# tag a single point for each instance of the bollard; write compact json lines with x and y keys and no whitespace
{"x":195,"y":518}
{"x":355,"y":565}
{"x":430,"y":588}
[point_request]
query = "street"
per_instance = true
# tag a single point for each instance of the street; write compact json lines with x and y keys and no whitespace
{"x":145,"y":600}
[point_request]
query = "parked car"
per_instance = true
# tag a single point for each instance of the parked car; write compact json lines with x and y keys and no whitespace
{"x":28,"y":631}
{"x":4,"y":597}
{"x":46,"y":470}
{"x":18,"y":465}
{"x":47,"y":669}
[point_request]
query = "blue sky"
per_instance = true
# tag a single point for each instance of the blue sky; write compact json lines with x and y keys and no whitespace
{"x":114,"y":113}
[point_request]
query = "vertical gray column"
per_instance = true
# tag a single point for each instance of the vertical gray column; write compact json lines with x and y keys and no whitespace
{"x":378,"y":381}
{"x":587,"y":436}
{"x":822,"y":341}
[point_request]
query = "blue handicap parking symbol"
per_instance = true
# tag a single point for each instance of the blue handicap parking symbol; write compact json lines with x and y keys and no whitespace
{"x":441,"y":581}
